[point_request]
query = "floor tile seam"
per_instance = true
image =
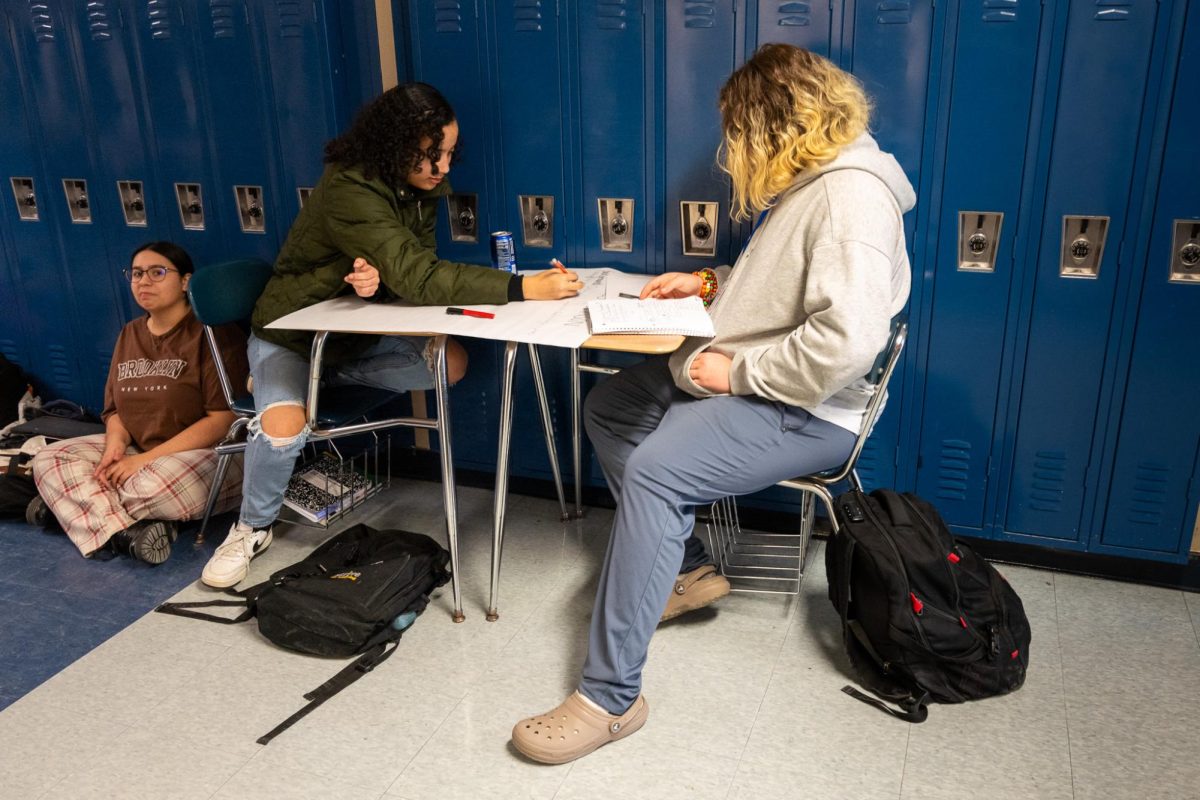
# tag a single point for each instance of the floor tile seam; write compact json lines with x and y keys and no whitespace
{"x":424,"y":744}
{"x":1063,"y":677}
{"x":1195,"y":620}
{"x":45,"y":792}
{"x":263,"y":753}
{"x":763,"y":698}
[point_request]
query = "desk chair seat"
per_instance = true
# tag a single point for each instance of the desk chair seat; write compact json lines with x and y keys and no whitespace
{"x":224,"y":293}
{"x":772,"y":559}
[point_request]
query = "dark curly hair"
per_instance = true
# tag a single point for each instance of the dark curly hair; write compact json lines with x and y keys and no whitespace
{"x":385,"y":139}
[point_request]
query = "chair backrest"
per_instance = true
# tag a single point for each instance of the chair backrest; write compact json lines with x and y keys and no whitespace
{"x":878,"y":376}
{"x":227,"y":292}
{"x":224,"y":293}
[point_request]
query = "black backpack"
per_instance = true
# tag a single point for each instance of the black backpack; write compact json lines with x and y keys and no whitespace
{"x":347,"y":598}
{"x":923,"y":617}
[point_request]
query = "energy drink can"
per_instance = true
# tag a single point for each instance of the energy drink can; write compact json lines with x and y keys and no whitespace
{"x":504,"y":251}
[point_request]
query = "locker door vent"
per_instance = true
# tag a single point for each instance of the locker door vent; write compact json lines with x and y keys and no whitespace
{"x":894,"y":12}
{"x":1113,"y":10}
{"x":1000,"y":10}
{"x":99,"y":24}
{"x":954,"y":467}
{"x":611,"y":14}
{"x":224,"y":21}
{"x":9,"y":348}
{"x":1046,"y":488}
{"x":1149,"y":494}
{"x":159,"y":12}
{"x":43,"y":23}
{"x":699,"y":13}
{"x":60,"y":367}
{"x":291,"y":26}
{"x":447,"y":16}
{"x":794,"y":15}
{"x":527,"y":16}
{"x":867,"y":466}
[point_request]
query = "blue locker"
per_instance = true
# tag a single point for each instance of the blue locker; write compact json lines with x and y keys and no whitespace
{"x":882,"y":35}
{"x":811,"y":25}
{"x":991,"y":88}
{"x":49,"y":77}
{"x":1150,"y":511}
{"x":113,"y":105}
{"x":449,"y":51}
{"x":297,"y":44}
{"x":178,"y":125}
{"x":616,"y":121}
{"x":233,"y":92}
{"x":537,"y":157}
{"x":699,"y":47}
{"x":1094,"y":138}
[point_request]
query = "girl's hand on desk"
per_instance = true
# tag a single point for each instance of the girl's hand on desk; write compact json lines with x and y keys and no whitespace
{"x":710,"y":371}
{"x":364,"y":278}
{"x":671,"y":285}
{"x":553,"y":284}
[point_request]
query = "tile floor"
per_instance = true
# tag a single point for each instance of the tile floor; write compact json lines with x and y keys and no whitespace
{"x":745,"y":699}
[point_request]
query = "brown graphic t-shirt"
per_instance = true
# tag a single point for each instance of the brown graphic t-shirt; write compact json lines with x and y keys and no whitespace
{"x":160,"y":385}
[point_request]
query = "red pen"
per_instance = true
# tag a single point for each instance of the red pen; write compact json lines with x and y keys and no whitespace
{"x":554,"y":262}
{"x":470,"y":312}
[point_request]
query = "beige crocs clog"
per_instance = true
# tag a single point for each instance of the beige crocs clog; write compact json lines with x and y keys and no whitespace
{"x":694,"y":590}
{"x":574,"y":729}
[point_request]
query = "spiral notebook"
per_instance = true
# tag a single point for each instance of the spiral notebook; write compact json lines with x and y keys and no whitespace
{"x":686,"y":316}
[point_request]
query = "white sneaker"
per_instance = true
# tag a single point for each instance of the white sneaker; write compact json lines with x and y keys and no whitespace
{"x":231,"y":562}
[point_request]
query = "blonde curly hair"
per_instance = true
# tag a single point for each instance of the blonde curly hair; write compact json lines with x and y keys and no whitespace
{"x":784,"y":111}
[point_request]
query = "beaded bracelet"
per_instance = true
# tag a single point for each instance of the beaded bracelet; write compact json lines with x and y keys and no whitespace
{"x":708,"y":285}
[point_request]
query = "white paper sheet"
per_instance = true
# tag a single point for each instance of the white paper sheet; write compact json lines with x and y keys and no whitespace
{"x":559,"y":323}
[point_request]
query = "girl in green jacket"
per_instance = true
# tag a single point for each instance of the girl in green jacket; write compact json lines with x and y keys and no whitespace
{"x":368,"y":226}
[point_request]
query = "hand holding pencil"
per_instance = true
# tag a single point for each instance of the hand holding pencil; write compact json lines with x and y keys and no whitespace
{"x":552,"y":284}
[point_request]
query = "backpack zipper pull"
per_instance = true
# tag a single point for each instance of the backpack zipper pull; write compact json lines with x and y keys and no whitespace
{"x":917,"y":605}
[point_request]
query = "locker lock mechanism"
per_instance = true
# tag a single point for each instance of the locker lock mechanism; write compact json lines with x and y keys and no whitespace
{"x":537,"y":219}
{"x":978,"y":238}
{"x":133,"y":204}
{"x":1083,"y":246}
{"x":23,"y":193}
{"x":1185,"y":252}
{"x":77,"y":200}
{"x":250,"y":208}
{"x":698,"y":233}
{"x":466,"y":219}
{"x":616,"y":223}
{"x":463,"y":218}
{"x":30,"y":200}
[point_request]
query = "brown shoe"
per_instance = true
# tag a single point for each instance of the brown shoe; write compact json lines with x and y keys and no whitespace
{"x":695,"y":589}
{"x":574,"y":729}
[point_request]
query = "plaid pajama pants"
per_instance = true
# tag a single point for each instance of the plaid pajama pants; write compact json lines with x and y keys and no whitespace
{"x":173,"y":487}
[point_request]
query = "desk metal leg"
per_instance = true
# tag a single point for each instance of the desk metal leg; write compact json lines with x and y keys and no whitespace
{"x":501,"y":495}
{"x":535,"y":363}
{"x":441,"y":389}
{"x":576,"y":447}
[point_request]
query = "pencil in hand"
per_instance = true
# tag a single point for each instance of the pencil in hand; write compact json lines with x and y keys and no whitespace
{"x":558,"y":265}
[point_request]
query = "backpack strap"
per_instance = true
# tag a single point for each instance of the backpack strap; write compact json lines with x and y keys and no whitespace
{"x":912,"y":709}
{"x":246,"y":599}
{"x":184,"y":610}
{"x":351,"y":673}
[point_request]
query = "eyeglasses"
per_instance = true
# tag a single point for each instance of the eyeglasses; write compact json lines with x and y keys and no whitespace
{"x":156,"y":274}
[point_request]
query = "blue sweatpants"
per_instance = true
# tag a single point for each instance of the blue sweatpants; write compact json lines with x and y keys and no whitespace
{"x":664,"y":452}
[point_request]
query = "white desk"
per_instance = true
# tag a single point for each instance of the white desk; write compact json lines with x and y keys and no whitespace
{"x":558,"y":324}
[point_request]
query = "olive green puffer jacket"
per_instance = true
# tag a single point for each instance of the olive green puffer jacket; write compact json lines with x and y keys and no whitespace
{"x":348,"y":216}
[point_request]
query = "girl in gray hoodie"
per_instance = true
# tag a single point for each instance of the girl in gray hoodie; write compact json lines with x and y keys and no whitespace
{"x":778,"y":393}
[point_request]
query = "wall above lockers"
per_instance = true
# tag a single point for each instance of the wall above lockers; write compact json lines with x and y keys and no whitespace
{"x":132,"y":120}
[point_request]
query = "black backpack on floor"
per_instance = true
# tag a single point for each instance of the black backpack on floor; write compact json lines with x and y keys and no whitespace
{"x":343,"y":600}
{"x":923,"y":617}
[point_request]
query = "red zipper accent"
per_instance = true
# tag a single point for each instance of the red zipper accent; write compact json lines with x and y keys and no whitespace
{"x":917,"y":605}
{"x":963,"y":621}
{"x":953,"y":558}
{"x":1014,"y":653}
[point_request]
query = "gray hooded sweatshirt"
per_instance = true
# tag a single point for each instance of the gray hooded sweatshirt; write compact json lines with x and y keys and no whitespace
{"x":806,"y":309}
